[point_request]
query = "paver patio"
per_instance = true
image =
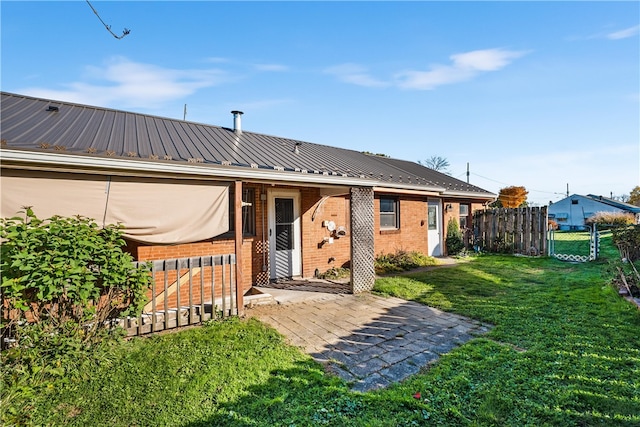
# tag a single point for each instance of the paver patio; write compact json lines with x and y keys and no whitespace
{"x":369,"y":340}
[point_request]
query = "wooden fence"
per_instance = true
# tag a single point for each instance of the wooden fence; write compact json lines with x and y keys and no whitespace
{"x":511,"y":230}
{"x":187,"y":291}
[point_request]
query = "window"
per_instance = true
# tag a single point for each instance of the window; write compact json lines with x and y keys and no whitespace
{"x":248,"y":211}
{"x":432,"y":217}
{"x":464,"y":217}
{"x":574,"y":201}
{"x":389,"y":212}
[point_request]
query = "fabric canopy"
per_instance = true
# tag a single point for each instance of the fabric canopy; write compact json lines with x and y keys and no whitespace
{"x":157,"y":211}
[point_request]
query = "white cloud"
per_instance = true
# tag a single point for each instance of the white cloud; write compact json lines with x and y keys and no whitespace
{"x":485,"y":60}
{"x":355,"y":74}
{"x":464,"y":67}
{"x":624,"y":34}
{"x":132,"y":84}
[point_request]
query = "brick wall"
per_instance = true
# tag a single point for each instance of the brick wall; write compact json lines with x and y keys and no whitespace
{"x":318,"y":254}
{"x":412,"y":234}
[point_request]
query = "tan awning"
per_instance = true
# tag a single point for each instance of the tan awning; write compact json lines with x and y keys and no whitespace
{"x":159,"y":211}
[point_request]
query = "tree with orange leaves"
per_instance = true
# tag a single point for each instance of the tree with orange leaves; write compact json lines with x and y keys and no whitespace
{"x":513,"y":197}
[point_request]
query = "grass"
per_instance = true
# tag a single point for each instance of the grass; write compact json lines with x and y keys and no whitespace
{"x":571,"y":242}
{"x":564,"y":351}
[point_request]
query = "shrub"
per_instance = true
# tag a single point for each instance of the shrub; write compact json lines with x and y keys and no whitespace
{"x":67,"y":270}
{"x":611,"y":219}
{"x":402,"y":261}
{"x":627,"y":239}
{"x":454,"y":241}
{"x":62,"y":278}
{"x":335,"y":273}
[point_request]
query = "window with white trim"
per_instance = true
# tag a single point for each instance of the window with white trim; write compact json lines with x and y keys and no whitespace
{"x":389,"y":213}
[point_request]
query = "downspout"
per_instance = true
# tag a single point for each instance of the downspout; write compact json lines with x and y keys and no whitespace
{"x":106,"y":202}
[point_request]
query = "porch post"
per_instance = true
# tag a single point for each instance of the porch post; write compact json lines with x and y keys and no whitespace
{"x":363,"y":274}
{"x":238,"y":241}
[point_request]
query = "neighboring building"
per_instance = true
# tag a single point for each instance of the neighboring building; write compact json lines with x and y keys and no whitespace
{"x":181,"y":189}
{"x":571,"y":212}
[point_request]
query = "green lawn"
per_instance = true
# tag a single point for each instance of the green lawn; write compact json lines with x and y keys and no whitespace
{"x":565,"y":351}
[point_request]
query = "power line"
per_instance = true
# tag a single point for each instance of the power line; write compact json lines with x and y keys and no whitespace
{"x":528,"y":189}
{"x":108,"y":27}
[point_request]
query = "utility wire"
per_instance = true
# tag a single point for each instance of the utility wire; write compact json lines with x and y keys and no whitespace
{"x":528,"y":189}
{"x":108,"y":27}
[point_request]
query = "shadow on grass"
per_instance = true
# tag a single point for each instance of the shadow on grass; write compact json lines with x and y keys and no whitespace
{"x":581,"y":365}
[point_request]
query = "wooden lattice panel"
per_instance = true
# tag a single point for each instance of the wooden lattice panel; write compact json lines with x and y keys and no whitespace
{"x":363,"y":273}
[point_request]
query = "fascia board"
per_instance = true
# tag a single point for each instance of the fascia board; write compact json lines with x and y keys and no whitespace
{"x":139,"y":166}
{"x":469,"y":194}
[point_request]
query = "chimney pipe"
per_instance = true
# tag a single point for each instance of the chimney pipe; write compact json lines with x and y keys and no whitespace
{"x":237,"y":122}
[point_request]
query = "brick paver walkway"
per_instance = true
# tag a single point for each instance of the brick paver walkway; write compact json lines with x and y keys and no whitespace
{"x":368,"y":340}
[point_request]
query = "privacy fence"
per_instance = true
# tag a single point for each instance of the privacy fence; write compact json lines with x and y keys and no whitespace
{"x":511,"y":230}
{"x":187,"y":291}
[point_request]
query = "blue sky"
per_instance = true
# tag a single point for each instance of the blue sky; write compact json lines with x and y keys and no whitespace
{"x":539,"y":94}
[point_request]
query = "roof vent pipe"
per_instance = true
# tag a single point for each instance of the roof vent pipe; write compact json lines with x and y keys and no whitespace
{"x":237,"y":122}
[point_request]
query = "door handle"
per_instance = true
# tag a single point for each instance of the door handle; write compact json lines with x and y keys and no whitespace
{"x":270,"y":232}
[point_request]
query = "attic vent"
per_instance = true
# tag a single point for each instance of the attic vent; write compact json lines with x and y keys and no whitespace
{"x":574,"y":201}
{"x":53,"y":108}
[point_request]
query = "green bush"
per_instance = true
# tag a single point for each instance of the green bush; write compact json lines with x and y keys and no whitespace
{"x":67,"y":269}
{"x":627,"y":239}
{"x":402,"y":261}
{"x":62,"y":280}
{"x":454,"y":241}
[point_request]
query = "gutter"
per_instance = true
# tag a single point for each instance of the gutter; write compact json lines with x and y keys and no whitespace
{"x":468,"y":194}
{"x":90,"y":164}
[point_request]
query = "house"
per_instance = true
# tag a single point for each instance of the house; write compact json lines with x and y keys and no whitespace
{"x":571,"y":212}
{"x":285,"y":208}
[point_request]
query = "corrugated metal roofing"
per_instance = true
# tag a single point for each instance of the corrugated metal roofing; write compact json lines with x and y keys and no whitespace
{"x":41,"y":124}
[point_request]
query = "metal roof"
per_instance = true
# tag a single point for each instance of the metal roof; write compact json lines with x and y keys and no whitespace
{"x":44,"y":125}
{"x":615,"y":203}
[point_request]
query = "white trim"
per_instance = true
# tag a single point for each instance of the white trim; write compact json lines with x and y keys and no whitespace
{"x":468,"y":194}
{"x":166,"y":167}
{"x":93,"y":164}
{"x":435,"y":248}
{"x":296,"y":252}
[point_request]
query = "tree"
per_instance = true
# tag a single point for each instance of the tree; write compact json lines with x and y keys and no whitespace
{"x":513,"y":197}
{"x":634,"y":197}
{"x":436,"y":163}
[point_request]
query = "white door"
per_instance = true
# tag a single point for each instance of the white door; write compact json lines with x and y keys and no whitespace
{"x":434,"y":228}
{"x":284,"y":234}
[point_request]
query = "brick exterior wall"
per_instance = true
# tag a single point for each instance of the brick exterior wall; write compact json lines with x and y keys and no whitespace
{"x":412,"y":234}
{"x":318,"y":254}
